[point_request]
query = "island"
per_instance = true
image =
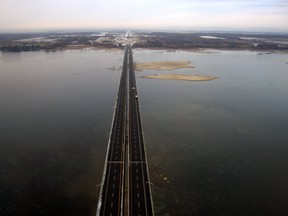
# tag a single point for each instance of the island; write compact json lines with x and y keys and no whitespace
{"x":163,"y":65}
{"x":180,"y":77}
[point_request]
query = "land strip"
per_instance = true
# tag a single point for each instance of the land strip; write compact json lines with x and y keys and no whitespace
{"x":163,"y":65}
{"x":151,"y":40}
{"x":180,"y":77}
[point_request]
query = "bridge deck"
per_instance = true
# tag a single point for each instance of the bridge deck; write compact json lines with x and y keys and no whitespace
{"x":115,"y":198}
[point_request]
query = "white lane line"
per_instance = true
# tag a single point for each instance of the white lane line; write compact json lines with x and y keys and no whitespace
{"x":138,"y":195}
{"x":113,"y":185}
{"x":113,"y":194}
{"x":111,"y":204}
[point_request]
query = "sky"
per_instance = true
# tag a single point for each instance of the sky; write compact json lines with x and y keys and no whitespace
{"x":266,"y":15}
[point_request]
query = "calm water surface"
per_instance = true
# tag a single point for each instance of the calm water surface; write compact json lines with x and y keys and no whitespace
{"x":214,"y":148}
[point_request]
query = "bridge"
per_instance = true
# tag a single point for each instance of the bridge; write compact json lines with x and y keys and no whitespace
{"x":125,"y":188}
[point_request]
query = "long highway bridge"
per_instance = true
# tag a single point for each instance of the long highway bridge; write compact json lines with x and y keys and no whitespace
{"x":125,"y":188}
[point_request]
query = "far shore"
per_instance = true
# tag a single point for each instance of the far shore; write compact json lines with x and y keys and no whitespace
{"x":80,"y":47}
{"x":117,"y":48}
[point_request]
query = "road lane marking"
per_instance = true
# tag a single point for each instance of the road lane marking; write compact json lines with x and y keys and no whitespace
{"x":133,"y":108}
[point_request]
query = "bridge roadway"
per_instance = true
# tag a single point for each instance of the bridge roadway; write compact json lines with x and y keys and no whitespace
{"x":140,"y":199}
{"x":111,"y":194}
{"x":128,"y":195}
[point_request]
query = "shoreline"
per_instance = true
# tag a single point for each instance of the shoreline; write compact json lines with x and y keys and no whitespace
{"x":196,"y":50}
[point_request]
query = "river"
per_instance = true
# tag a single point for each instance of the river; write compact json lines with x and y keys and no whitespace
{"x":214,"y":148}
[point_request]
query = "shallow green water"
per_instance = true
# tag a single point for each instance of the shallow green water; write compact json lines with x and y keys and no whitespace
{"x":214,"y":148}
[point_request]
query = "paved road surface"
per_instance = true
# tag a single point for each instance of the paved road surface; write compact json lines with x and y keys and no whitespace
{"x":125,"y":186}
{"x":139,"y":186}
{"x":112,"y":190}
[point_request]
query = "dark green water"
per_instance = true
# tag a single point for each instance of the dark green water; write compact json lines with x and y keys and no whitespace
{"x":214,"y":148}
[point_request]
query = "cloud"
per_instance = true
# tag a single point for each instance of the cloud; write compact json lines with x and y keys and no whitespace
{"x":142,"y":13}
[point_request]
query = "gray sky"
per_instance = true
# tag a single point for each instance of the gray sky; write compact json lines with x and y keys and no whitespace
{"x":145,"y":14}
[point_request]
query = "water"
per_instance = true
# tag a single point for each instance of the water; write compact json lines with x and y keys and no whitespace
{"x":221,"y":144}
{"x":214,"y":148}
{"x":56,"y":111}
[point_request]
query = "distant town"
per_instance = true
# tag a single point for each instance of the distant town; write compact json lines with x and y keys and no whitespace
{"x":153,"y":40}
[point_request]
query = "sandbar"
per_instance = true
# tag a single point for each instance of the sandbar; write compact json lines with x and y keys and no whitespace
{"x":163,"y":65}
{"x":180,"y":77}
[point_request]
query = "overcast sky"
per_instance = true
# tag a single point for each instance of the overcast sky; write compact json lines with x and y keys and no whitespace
{"x":143,"y":14}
